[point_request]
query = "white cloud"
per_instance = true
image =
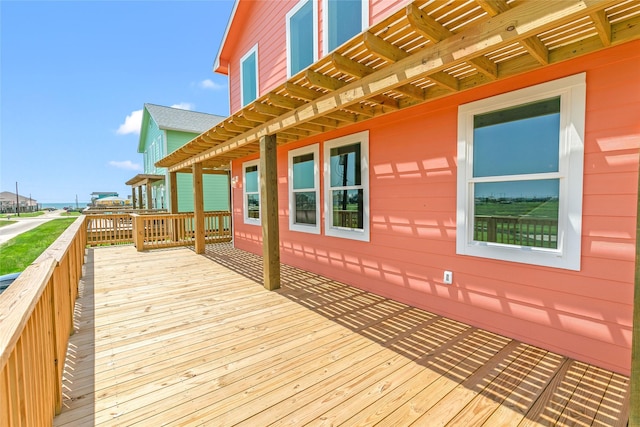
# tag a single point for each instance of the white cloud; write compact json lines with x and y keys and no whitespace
{"x":131,"y":124}
{"x":210,"y":84}
{"x":125,"y":164}
{"x":183,"y":106}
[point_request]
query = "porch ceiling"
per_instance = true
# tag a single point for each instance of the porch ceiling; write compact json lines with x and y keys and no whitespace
{"x":425,"y":51}
{"x":143,"y":179}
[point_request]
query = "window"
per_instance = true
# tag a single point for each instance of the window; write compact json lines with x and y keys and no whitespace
{"x":249,"y":76}
{"x":346,"y":183}
{"x":302,"y":39}
{"x":251,"y":192}
{"x":520,"y":158}
{"x":342,"y":19}
{"x":304,"y":187}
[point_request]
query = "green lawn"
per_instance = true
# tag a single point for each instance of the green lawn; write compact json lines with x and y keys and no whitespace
{"x":5,"y":223}
{"x":22,"y":250}
{"x":28,"y":214}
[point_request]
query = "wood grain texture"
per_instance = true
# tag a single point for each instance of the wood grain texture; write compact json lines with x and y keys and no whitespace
{"x":170,"y":337}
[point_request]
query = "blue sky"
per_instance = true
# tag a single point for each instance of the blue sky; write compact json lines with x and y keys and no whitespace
{"x":74,"y":76}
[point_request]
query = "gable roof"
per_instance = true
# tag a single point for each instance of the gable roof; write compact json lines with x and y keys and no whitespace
{"x":169,"y":118}
{"x":177,"y":119}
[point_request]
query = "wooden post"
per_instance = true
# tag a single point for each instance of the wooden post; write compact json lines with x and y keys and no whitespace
{"x":133,"y":197}
{"x":149,"y":196}
{"x":198,"y":208}
{"x":138,"y":231}
{"x":269,"y":212}
{"x":634,"y":415}
{"x":173,"y":204}
{"x":140,"y":206}
{"x":173,"y":191}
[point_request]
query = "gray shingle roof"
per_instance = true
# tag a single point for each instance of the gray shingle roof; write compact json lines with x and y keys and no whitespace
{"x":182,"y":120}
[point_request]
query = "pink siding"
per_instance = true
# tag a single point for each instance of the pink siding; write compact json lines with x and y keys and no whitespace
{"x":586,"y":315}
{"x":264,"y":22}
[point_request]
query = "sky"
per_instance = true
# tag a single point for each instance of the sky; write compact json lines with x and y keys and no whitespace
{"x":74,"y":76}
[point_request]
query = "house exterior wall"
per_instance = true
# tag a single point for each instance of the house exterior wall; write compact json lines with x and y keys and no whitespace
{"x":215,"y":187}
{"x":153,"y":148}
{"x":585,"y":314}
{"x":264,"y":23}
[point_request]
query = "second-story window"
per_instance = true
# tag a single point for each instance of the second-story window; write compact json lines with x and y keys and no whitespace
{"x":249,"y":76}
{"x":302,"y":43}
{"x":342,"y":19}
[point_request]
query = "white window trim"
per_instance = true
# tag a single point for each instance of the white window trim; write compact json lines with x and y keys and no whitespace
{"x":325,"y":22}
{"x":329,"y":228}
{"x":251,"y":51}
{"x":572,"y":91}
{"x":245,"y":207}
{"x":305,"y":228}
{"x":292,"y":12}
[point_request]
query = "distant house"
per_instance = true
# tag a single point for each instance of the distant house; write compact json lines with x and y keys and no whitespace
{"x":8,"y":203}
{"x":163,"y":130}
{"x":99,"y":195}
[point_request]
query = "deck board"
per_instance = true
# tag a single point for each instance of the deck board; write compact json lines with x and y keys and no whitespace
{"x":169,"y":337}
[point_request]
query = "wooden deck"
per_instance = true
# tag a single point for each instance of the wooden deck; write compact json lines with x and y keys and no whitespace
{"x":171,"y":337}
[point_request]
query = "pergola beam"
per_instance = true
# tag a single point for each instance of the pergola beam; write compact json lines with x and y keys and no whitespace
{"x":602,"y":26}
{"x":485,"y":66}
{"x":516,"y":24}
{"x":537,"y":49}
{"x":493,"y":7}
{"x":383,"y":48}
{"x":349,"y":66}
{"x":428,"y":27}
{"x":302,"y":92}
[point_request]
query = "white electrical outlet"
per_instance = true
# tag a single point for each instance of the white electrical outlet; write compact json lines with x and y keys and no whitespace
{"x":448,"y":277}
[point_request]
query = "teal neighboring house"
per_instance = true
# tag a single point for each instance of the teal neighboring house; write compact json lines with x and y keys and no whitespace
{"x":164,"y":130}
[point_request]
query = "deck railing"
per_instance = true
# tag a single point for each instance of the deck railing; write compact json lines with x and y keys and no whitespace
{"x":36,"y":319}
{"x":171,"y":230}
{"x":524,"y":231}
{"x":109,"y":229}
{"x":119,"y":210}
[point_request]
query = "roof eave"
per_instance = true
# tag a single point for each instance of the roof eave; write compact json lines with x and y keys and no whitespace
{"x":220,"y":66}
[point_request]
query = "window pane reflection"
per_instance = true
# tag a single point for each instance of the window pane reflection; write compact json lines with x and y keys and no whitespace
{"x":523,"y":213}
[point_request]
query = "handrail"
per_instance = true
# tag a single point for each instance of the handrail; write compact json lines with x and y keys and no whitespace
{"x":117,"y":209}
{"x":109,"y":229}
{"x":36,"y":319}
{"x":172,"y":230}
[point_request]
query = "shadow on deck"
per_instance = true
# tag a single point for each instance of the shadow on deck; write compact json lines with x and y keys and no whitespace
{"x":181,"y":340}
{"x":546,"y":388}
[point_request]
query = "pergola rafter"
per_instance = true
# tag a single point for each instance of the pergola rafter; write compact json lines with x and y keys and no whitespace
{"x":407,"y":59}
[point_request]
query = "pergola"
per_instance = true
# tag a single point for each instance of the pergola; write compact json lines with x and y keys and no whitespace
{"x":426,"y":51}
{"x":143,"y":181}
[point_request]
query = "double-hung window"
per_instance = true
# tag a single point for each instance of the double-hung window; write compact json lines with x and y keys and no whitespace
{"x":251,"y":192}
{"x":520,"y":166}
{"x":302,"y":36}
{"x":249,"y":76}
{"x":304,"y":188}
{"x":346,"y":183}
{"x":342,"y":19}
